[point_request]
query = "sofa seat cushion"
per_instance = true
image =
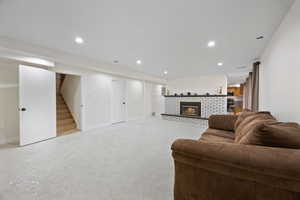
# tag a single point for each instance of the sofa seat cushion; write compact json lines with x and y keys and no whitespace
{"x":274,"y":134}
{"x":249,"y":121}
{"x":217,"y":136}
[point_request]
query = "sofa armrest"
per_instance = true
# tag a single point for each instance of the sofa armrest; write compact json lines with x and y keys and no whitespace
{"x":274,"y":166}
{"x":222,"y":122}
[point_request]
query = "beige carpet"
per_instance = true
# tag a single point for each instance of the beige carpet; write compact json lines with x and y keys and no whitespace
{"x":129,"y":161}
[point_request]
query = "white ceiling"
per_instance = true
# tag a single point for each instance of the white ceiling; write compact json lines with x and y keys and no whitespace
{"x":165,"y":34}
{"x":237,"y":78}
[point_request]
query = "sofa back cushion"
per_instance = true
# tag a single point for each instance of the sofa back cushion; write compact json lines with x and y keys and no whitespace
{"x":273,"y":134}
{"x":222,"y":122}
{"x":247,"y":121}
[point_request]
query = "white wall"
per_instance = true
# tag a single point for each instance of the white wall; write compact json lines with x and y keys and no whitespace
{"x":142,"y":98}
{"x":9,"y":103}
{"x":157,"y":100}
{"x":148,"y":90}
{"x":280,"y":70}
{"x":154,"y":101}
{"x":135,"y":99}
{"x":96,"y":93}
{"x":199,"y":85}
{"x":71,"y":91}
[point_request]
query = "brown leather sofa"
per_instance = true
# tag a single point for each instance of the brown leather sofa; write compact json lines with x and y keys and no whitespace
{"x":217,"y":167}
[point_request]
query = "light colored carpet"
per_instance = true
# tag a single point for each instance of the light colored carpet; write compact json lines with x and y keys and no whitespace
{"x":128,"y":161}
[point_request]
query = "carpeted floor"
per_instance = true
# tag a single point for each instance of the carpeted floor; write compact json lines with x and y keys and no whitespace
{"x":128,"y":161}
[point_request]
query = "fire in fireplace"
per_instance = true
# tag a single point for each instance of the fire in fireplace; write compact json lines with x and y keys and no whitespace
{"x":190,"y":108}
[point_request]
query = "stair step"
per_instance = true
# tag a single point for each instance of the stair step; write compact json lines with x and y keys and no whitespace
{"x":62,"y":116}
{"x":67,"y":132}
{"x":66,"y":127}
{"x":61,"y":106}
{"x":64,"y":122}
{"x":62,"y":111}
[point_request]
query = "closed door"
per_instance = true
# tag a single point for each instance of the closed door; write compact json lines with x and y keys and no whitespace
{"x":118,"y":101}
{"x":37,"y":104}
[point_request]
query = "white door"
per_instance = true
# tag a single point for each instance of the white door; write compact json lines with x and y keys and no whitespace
{"x":118,"y":101}
{"x":37,"y":104}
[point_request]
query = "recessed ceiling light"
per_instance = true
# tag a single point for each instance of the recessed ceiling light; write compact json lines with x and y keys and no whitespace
{"x":165,"y":72}
{"x":79,"y":40}
{"x":211,"y":44}
{"x":138,"y":62}
{"x":220,"y":64}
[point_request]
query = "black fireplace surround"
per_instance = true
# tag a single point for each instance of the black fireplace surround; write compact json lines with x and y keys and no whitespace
{"x":190,"y":108}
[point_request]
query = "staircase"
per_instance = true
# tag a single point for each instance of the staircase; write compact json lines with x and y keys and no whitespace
{"x":65,"y":122}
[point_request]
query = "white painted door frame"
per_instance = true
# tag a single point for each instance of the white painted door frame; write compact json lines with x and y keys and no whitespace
{"x":82,"y":113}
{"x":80,"y":124}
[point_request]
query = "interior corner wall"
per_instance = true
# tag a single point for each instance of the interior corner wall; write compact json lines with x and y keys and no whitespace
{"x":199,"y":85}
{"x":280,"y":70}
{"x":71,"y":91}
{"x":9,"y":103}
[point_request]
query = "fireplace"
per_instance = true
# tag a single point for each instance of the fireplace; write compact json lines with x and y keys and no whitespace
{"x":190,"y":108}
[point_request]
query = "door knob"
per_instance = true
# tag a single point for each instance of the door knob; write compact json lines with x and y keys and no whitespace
{"x":124,"y":103}
{"x":23,"y":109}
